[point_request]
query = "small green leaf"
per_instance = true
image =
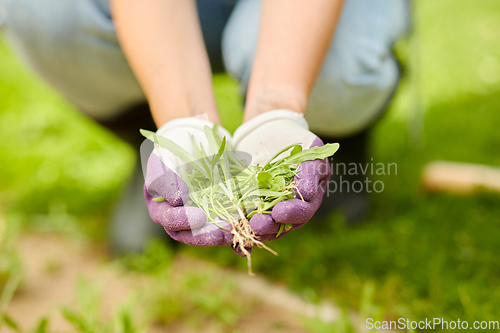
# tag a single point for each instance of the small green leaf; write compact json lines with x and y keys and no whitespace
{"x":279,"y":153}
{"x":213,"y":146}
{"x":268,"y":205}
{"x":205,"y":161}
{"x":278,"y":183}
{"x":252,"y":213}
{"x":269,"y":193}
{"x":217,"y":156}
{"x":126,"y":325}
{"x":282,"y":226}
{"x":264,"y":178}
{"x":76,"y":320}
{"x":266,"y":193}
{"x":42,"y":326}
{"x":159,"y":199}
{"x":286,"y":226}
{"x":278,"y":170}
{"x":196,"y":149}
{"x":215,"y":130}
{"x":11,"y":323}
{"x":314,"y":153}
{"x":295,"y":150}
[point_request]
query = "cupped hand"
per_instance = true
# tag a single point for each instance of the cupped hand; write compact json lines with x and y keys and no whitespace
{"x":264,"y":136}
{"x":167,"y":195}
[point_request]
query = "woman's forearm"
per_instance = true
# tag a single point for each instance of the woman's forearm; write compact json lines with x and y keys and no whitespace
{"x":163,"y":44}
{"x":294,"y":38}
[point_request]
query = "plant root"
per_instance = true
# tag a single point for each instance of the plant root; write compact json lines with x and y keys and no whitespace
{"x":245,"y":238}
{"x":295,"y":186}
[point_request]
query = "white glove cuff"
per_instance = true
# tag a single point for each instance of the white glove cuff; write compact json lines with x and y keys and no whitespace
{"x":182,"y":131}
{"x":250,"y":126}
{"x":191,"y":124}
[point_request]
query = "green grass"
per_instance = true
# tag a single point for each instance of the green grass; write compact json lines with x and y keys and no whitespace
{"x":425,"y":255}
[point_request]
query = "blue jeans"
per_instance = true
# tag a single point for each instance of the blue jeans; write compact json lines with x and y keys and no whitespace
{"x":72,"y":45}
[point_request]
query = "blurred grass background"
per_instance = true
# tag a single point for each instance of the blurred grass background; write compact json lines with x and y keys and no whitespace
{"x":424,"y":255}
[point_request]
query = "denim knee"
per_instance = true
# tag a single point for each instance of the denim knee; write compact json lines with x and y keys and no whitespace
{"x":359,"y":73}
{"x":354,"y":84}
{"x":72,"y":45}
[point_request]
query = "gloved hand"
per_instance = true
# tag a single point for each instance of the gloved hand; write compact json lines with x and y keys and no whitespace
{"x":183,"y":223}
{"x":264,"y":136}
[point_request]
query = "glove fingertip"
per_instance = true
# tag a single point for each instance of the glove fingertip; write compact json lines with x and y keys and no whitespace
{"x":263,"y":224}
{"x":306,"y":189}
{"x":162,"y":181}
{"x":196,"y":217}
{"x":176,"y":218}
{"x":293,"y":211}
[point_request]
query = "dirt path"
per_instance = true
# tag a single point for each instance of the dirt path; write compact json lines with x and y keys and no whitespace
{"x":52,"y":264}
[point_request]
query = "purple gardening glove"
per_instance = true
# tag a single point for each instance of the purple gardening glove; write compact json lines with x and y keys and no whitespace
{"x":183,"y":223}
{"x":264,"y":136}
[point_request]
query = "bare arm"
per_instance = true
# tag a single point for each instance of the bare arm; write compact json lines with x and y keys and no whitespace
{"x":163,"y":43}
{"x":293,"y":41}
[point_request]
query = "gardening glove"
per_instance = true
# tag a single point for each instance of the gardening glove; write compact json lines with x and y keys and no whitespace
{"x":263,"y":137}
{"x":183,"y":223}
